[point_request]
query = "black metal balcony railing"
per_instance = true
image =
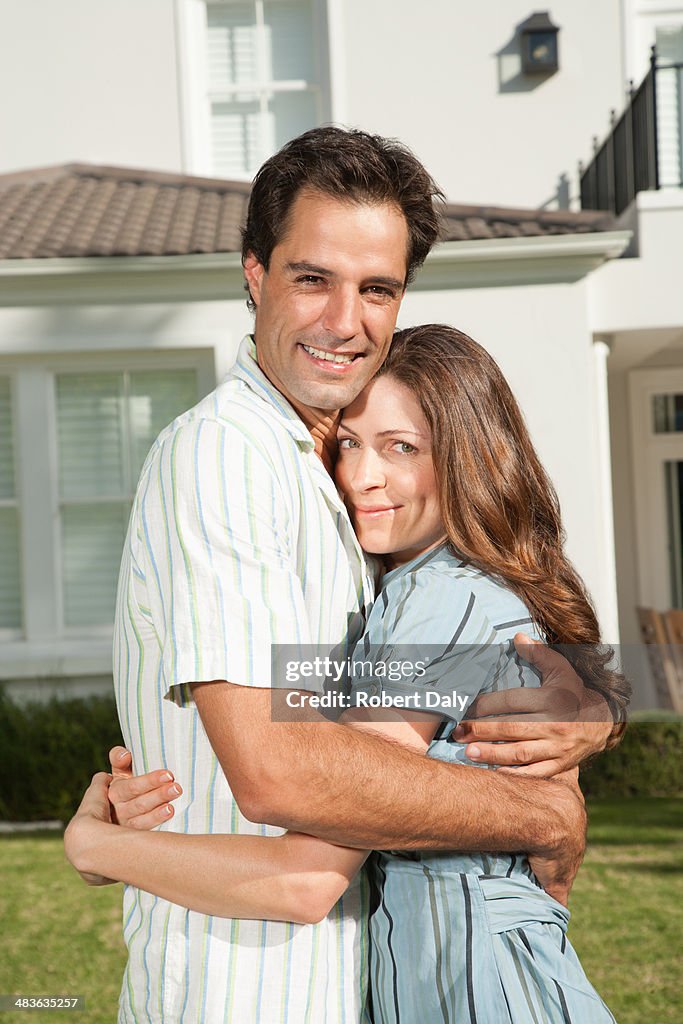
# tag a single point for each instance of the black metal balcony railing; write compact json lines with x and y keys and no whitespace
{"x":627,"y":162}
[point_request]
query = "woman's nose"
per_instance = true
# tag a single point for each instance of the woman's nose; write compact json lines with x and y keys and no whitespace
{"x":368,"y":470}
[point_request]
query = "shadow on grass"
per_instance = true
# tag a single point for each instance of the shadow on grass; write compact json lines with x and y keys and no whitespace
{"x":647,"y":867}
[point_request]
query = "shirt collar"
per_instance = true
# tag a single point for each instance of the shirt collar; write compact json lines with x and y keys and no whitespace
{"x":247,"y":369}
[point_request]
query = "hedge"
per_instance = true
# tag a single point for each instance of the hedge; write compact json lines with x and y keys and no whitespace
{"x":647,"y":762}
{"x":49,"y":751}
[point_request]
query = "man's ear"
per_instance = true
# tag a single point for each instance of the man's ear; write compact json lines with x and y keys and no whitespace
{"x":253,"y":272}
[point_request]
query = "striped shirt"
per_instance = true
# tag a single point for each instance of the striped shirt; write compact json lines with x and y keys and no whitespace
{"x":462,"y":938}
{"x":237,"y":540}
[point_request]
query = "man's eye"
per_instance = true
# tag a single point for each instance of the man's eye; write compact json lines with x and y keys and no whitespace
{"x":380,"y":291}
{"x":309,"y":279}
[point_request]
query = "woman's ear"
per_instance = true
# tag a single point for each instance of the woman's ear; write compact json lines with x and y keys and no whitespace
{"x":253,"y":272}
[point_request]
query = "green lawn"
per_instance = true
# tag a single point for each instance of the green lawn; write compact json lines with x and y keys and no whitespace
{"x":59,"y":938}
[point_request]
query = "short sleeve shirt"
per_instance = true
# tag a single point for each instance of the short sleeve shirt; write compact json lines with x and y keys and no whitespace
{"x":238,"y":540}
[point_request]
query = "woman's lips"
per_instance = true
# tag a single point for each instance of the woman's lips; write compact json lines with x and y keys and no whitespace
{"x":379,"y":511}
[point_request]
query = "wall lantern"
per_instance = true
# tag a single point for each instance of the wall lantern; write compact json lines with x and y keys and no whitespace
{"x":539,"y":44}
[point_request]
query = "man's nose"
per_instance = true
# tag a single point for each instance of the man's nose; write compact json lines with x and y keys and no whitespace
{"x":343,"y":313}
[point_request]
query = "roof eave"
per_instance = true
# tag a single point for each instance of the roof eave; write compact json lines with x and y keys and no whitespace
{"x":218,"y":276}
{"x":113,"y":280}
{"x":497,"y":262}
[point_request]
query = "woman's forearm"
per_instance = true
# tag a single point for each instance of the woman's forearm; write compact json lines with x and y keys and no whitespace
{"x":286,"y":878}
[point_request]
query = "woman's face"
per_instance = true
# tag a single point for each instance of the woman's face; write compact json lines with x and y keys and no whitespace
{"x":386,"y":474}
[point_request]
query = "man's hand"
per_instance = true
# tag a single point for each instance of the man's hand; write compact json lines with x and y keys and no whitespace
{"x":556,"y":867}
{"x":547,"y":730}
{"x":140,"y":801}
{"x":81,"y":831}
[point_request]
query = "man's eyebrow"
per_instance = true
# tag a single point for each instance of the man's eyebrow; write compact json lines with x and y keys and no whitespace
{"x":389,"y":282}
{"x":310,"y":268}
{"x":313,"y":268}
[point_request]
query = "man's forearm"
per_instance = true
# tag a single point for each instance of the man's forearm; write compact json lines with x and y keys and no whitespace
{"x":364,"y":791}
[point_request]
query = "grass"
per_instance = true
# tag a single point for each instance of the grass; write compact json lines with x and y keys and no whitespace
{"x":627,"y":908}
{"x":59,"y":938}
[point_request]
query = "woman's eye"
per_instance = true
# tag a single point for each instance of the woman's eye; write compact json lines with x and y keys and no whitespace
{"x":347,"y":442}
{"x":405,"y":448}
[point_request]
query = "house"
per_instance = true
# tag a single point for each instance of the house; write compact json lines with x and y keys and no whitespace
{"x":121,"y":295}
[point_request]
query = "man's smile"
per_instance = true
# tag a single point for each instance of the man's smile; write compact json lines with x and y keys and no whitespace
{"x":335,"y":361}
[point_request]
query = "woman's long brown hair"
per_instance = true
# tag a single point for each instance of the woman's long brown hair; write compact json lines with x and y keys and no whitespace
{"x":499,"y":508}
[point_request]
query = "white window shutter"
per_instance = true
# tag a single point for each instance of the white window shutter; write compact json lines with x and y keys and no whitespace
{"x":156,"y":398}
{"x":232,"y":45}
{"x":236,"y":137}
{"x":10,"y":582}
{"x":90,"y":435}
{"x":106,"y":424}
{"x":669,"y":110}
{"x":92,"y":542}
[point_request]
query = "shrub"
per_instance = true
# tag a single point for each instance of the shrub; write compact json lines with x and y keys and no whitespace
{"x":49,"y":752}
{"x":648,"y":762}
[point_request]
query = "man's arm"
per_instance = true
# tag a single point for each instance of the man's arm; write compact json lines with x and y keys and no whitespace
{"x":365,"y":791}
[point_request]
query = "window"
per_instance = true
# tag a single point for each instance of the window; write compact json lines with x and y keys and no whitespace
{"x":669,"y":41}
{"x":74,"y":434}
{"x":106,"y":424}
{"x":264,"y":79}
{"x":10,"y":589}
{"x":657,"y":432}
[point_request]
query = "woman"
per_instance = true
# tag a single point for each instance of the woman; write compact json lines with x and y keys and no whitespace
{"x":443,"y":484}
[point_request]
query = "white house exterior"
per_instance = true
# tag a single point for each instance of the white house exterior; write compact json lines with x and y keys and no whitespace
{"x":97,"y":346}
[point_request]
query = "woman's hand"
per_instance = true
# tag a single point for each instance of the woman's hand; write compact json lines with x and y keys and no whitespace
{"x":140,"y":801}
{"x":85,"y":826}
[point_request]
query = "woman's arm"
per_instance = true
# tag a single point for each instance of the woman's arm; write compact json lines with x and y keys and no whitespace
{"x":293,"y":877}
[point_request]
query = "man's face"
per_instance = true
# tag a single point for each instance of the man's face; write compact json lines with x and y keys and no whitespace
{"x":326,"y":308}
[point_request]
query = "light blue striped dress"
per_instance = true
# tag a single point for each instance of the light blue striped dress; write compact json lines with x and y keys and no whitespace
{"x":462,"y":938}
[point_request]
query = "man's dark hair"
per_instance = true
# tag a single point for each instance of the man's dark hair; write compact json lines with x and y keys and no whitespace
{"x":348,"y":165}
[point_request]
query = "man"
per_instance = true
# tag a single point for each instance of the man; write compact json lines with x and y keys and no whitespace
{"x":238,"y":541}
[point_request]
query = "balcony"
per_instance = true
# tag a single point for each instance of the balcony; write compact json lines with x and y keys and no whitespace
{"x":644,"y":149}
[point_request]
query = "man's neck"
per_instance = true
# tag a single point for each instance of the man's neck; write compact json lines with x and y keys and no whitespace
{"x":322,"y":427}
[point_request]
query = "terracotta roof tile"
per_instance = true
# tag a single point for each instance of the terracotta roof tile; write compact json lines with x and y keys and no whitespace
{"x":88,"y":210}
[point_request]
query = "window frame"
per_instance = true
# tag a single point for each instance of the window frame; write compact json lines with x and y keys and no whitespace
{"x":14,"y":632}
{"x":650,"y":452}
{"x":193,"y":80}
{"x":44,"y":644}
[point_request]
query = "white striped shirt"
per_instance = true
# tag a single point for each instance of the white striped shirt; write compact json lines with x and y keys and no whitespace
{"x":238,"y":539}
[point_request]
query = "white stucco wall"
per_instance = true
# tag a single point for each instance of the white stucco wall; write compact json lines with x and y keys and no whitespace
{"x":121,"y":83}
{"x":443,"y":77}
{"x":646,"y":292}
{"x":88,"y":80}
{"x":539,"y":334}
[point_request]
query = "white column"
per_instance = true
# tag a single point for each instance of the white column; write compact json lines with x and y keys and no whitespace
{"x":609,"y":609}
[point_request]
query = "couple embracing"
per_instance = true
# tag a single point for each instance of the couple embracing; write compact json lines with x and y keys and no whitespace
{"x":333,"y":437}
